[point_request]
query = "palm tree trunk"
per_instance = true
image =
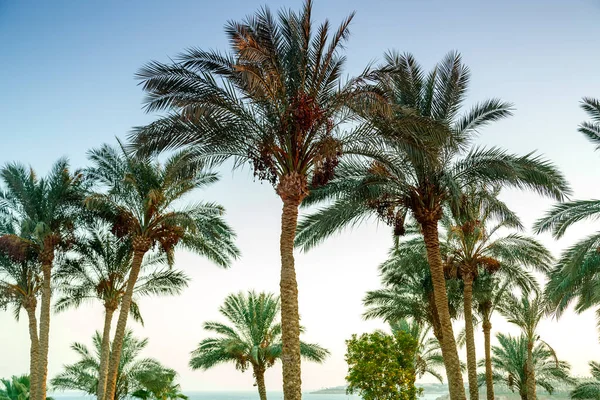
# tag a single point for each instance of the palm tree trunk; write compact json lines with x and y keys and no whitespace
{"x":140,"y":247}
{"x":470,"y":337}
{"x":44,"y":337}
{"x":34,"y":351}
{"x":259,"y":374}
{"x":449,"y":351}
{"x":290,"y":319}
{"x":489,"y":380}
{"x":104,"y":352}
{"x":531,"y":392}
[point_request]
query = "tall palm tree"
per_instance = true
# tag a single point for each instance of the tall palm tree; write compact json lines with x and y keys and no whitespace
{"x":526,"y":312}
{"x":481,"y":238}
{"x":428,"y":357}
{"x":45,"y":212}
{"x":589,"y":388}
{"x":253,"y":338}
{"x":511,"y":360}
{"x":20,"y":286}
{"x":84,"y":374}
{"x":276,"y":101}
{"x":142,"y":201}
{"x":576,"y":274}
{"x":403,"y":181}
{"x":99,"y":271}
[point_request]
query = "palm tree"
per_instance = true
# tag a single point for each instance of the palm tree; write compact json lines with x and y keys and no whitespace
{"x":401,"y":180}
{"x":16,"y":388}
{"x":158,"y":383}
{"x":253,"y":339}
{"x":45,"y":212}
{"x":510,"y":361}
{"x":99,"y":271}
{"x":588,"y":389}
{"x":142,"y":201}
{"x":276,"y":101}
{"x":575,"y":275}
{"x":428,"y":357}
{"x":84,"y":374}
{"x":481,"y":238}
{"x":526,"y":312}
{"x":20,"y":285}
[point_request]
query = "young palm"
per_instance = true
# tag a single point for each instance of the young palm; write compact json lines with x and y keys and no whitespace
{"x":481,"y":237}
{"x":590,"y":388}
{"x":428,"y":357}
{"x":526,"y":312}
{"x":510,"y":361}
{"x":20,"y":286}
{"x":84,"y":374}
{"x":142,"y":201}
{"x":158,"y":383}
{"x":99,"y":272}
{"x":405,"y":181}
{"x":575,"y":275}
{"x":252,"y":340}
{"x":44,"y":212}
{"x":276,"y":101}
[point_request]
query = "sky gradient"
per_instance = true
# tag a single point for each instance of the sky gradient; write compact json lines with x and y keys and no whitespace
{"x":67,"y":85}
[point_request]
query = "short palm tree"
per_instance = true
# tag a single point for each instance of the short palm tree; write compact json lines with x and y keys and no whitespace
{"x":253,"y":338}
{"x":589,"y":388}
{"x":83,"y":375}
{"x":20,"y":286}
{"x":481,"y":237}
{"x":576,"y":274}
{"x":526,"y":312}
{"x":45,"y":213}
{"x":15,"y":388}
{"x":428,"y":357}
{"x":510,"y":362}
{"x":417,"y":181}
{"x":99,"y":271}
{"x":142,"y":201}
{"x":158,"y":383}
{"x":276,"y":101}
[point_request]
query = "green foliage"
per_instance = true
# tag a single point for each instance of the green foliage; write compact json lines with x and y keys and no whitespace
{"x":381,"y":366}
{"x":251,"y":339}
{"x":589,"y":388}
{"x":83,"y":375}
{"x":16,"y":388}
{"x":509,"y":361}
{"x":158,"y":383}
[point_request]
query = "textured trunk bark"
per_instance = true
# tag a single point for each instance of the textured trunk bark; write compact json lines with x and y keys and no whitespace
{"x":531,"y":392}
{"x":449,"y":351}
{"x":259,"y":374}
{"x":44,"y":337}
{"x":115,"y":354}
{"x":290,"y":319}
{"x":104,"y":352}
{"x":34,"y":352}
{"x":489,"y":380}
{"x":471,"y":355}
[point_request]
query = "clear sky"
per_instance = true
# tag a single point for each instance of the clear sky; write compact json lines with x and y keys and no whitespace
{"x":66,"y":84}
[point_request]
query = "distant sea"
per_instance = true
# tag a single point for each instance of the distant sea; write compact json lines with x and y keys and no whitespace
{"x":241,"y":396}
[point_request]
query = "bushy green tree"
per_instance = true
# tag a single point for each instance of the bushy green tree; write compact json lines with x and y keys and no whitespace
{"x":381,"y":366}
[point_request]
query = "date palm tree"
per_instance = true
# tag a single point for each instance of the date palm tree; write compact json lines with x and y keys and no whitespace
{"x":481,"y":237}
{"x":526,"y":312}
{"x":99,"y":272}
{"x":45,"y":212}
{"x":20,"y":286}
{"x":510,"y":361}
{"x":402,"y":182}
{"x":158,"y":383}
{"x":252,"y":339}
{"x":575,"y":275}
{"x":589,"y":388}
{"x":428,"y":357}
{"x":84,"y":374}
{"x":142,"y":200}
{"x":275,"y":101}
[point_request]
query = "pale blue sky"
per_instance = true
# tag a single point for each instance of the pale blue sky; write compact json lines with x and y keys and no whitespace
{"x":66,"y":84}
